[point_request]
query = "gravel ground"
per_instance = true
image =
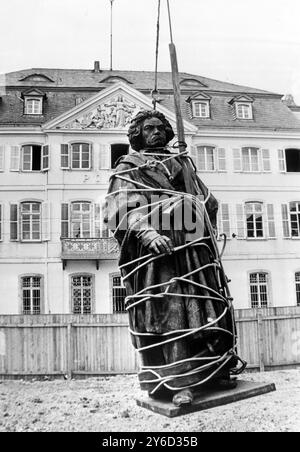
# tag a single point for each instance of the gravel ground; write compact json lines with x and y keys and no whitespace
{"x":108,"y":405}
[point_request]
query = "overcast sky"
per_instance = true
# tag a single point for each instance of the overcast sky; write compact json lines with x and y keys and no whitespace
{"x":254,"y":43}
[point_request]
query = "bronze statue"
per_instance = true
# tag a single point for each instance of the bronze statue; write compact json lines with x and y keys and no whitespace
{"x":180,"y":313}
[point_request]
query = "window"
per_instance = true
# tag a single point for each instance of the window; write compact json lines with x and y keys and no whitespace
{"x":117,"y":151}
{"x":31,"y":294}
{"x":297,"y":281}
{"x":209,"y":158}
{"x":82,"y":293}
{"x":243,"y":111}
{"x":33,"y":158}
{"x":31,"y":221}
{"x":259,"y":294}
{"x":292,"y":158}
{"x":33,"y":106}
{"x":254,"y":219}
{"x":295,"y":218}
{"x":201,"y":109}
{"x":80,"y":156}
{"x":81,"y":220}
{"x":119,"y":295}
{"x":206,"y":158}
{"x":250,"y":160}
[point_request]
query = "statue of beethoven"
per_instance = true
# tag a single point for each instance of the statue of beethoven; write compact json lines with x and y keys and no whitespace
{"x":180,"y":314}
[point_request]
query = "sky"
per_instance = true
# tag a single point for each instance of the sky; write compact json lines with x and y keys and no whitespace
{"x":253,"y":43}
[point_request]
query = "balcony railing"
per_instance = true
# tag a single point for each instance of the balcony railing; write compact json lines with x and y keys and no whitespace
{"x":89,"y":249}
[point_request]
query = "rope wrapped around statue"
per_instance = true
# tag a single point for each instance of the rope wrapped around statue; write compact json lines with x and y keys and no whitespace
{"x":181,"y":318}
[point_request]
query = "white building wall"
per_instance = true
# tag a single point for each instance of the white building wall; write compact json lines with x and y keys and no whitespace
{"x":280,"y":257}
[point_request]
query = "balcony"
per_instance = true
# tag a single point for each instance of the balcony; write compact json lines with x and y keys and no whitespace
{"x":89,"y":249}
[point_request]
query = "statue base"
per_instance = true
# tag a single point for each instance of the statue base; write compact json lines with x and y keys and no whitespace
{"x":209,"y":398}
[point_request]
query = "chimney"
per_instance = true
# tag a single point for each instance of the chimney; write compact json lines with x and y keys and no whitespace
{"x":97,"y":66}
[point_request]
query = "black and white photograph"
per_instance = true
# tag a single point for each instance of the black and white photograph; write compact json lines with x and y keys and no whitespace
{"x":149,"y":219}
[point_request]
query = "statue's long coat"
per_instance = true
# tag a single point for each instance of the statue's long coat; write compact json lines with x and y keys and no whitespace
{"x":164,"y":315}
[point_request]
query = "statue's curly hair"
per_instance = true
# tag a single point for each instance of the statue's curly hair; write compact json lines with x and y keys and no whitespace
{"x":135,"y":129}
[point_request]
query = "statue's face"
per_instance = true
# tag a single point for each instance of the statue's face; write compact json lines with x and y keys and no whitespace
{"x":154,"y":133}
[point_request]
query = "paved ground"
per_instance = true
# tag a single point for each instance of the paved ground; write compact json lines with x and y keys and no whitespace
{"x":108,"y":405}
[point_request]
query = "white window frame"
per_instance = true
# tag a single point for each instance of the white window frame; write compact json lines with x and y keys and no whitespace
{"x":243,"y":110}
{"x":82,"y":212}
{"x":114,"y":287}
{"x":44,"y":158}
{"x":92,"y":296}
{"x":81,"y":144}
{"x":201,"y":109}
{"x":259,"y":292}
{"x":33,"y":105}
{"x":31,"y":288}
{"x":255,"y":214}
{"x":297,"y":213}
{"x":251,"y":159}
{"x":31,"y":222}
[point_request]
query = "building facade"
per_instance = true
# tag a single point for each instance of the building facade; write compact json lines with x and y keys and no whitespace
{"x":61,"y":132}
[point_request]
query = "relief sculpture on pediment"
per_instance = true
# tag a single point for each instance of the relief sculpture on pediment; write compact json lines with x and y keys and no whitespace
{"x":114,"y":114}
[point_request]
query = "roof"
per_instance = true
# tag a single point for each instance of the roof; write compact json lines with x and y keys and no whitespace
{"x":144,"y":80}
{"x":63,"y":88}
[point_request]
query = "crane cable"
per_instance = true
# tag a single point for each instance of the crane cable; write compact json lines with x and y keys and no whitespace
{"x":154,"y":92}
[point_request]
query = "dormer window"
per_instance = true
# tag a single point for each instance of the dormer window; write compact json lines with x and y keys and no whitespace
{"x":33,"y":102}
{"x":201,"y":109}
{"x":33,"y":106}
{"x":243,"y":111}
{"x":200,"y":105}
{"x":242,"y":106}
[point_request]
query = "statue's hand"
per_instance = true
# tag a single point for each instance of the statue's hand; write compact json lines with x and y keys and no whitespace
{"x":161,"y":245}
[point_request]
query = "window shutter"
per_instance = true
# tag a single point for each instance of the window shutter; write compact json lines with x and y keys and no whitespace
{"x":65,"y":156}
{"x":65,"y":220}
{"x":45,"y":158}
{"x":1,"y":222}
{"x":91,"y":155}
{"x":2,"y":157}
{"x":15,"y":157}
{"x":14,"y":222}
{"x":281,"y":161}
{"x":46,"y":221}
{"x":221,"y":153}
{"x":97,"y":220}
{"x":104,"y":156}
{"x":285,"y":221}
{"x":271,"y":221}
{"x":265,"y":160}
{"x":240,"y":221}
{"x":224,"y":225}
{"x":237,"y":160}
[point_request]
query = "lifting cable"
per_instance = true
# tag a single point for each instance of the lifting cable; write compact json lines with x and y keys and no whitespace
{"x":154,"y":92}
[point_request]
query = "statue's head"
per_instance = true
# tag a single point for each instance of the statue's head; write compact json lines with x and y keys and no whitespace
{"x":149,"y":129}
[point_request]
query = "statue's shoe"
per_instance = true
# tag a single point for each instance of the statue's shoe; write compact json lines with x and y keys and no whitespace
{"x":184,"y":397}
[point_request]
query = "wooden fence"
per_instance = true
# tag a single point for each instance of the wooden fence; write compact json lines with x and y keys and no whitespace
{"x":73,"y":345}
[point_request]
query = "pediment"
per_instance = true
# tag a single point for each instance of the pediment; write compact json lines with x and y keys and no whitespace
{"x":36,"y":78}
{"x":109,"y":110}
{"x":241,"y":98}
{"x":191,"y":83}
{"x":198,"y":96}
{"x":115,"y":79}
{"x":33,"y":92}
